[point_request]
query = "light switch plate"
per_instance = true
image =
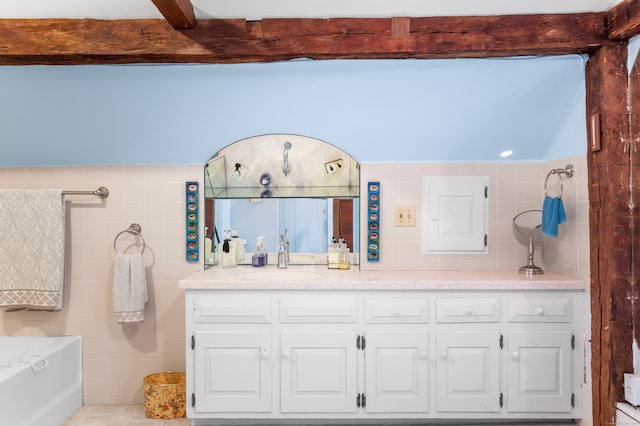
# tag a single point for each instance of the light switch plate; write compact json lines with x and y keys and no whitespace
{"x":404,"y":216}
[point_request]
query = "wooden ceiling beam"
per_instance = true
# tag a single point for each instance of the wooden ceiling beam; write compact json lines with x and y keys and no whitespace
{"x":178,"y":13}
{"x":87,"y":41}
{"x":623,"y":20}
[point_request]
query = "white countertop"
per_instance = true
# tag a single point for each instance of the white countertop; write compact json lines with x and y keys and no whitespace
{"x":319,"y":277}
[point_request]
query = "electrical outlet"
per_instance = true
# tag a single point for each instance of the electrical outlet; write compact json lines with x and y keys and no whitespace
{"x":334,"y":166}
{"x":404,"y":216}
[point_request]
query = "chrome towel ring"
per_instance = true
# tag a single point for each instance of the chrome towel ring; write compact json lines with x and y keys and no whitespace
{"x":134,"y":229}
{"x":567,"y":171}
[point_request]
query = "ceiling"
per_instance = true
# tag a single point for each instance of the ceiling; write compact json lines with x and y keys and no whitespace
{"x":258,"y":9}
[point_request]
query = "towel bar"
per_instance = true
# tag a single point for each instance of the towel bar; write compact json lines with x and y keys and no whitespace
{"x":101,"y":192}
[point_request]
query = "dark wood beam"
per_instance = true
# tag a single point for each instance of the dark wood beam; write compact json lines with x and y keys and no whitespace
{"x":623,"y":20}
{"x":606,"y":81}
{"x":86,"y":41}
{"x":178,"y":13}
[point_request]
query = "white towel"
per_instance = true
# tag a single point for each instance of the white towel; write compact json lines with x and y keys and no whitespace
{"x":129,"y":288}
{"x":32,"y":239}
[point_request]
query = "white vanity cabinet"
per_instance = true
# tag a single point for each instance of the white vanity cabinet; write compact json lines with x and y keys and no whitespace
{"x":355,"y":355}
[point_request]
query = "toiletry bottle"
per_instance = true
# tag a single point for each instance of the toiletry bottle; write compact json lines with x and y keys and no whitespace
{"x":288,"y":247}
{"x":227,"y":251}
{"x":344,"y":255}
{"x":333,"y":254}
{"x":239,"y":245}
{"x":259,"y":257}
{"x":208,"y":247}
{"x":282,"y":253}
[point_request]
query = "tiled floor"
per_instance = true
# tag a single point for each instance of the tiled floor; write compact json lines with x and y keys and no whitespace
{"x":134,"y":415}
{"x":118,"y":415}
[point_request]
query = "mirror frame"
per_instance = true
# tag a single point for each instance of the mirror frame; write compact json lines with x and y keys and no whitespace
{"x":281,"y":166}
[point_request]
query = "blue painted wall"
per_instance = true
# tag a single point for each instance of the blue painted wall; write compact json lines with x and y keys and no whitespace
{"x":377,"y":110}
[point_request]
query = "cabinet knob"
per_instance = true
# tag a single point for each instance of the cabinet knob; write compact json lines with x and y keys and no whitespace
{"x":286,"y":354}
{"x":469,"y":311}
{"x":434,"y":218}
{"x":515,"y":355}
{"x":423,"y":355}
{"x":264,"y":353}
{"x":396,"y":312}
{"x":443,"y":354}
{"x":540,"y":312}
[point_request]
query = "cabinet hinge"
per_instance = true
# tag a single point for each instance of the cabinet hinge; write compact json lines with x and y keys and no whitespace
{"x":360,"y":342}
{"x":573,"y":341}
{"x":193,"y":400}
{"x":361,"y":400}
{"x":573,"y":399}
{"x":501,"y":341}
{"x":486,"y":240}
{"x":486,"y":192}
{"x":501,"y":399}
{"x":193,"y":341}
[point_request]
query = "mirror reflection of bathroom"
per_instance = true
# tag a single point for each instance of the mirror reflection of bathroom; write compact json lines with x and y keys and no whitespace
{"x":309,"y":223}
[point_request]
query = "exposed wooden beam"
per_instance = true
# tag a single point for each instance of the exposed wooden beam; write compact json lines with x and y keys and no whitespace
{"x":606,"y":80}
{"x":178,"y":13}
{"x":623,"y":20}
{"x":86,"y":41}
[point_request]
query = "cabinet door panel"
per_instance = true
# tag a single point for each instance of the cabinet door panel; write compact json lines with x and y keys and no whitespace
{"x":397,"y":372}
{"x":318,"y":372}
{"x":540,"y":371}
{"x":233,"y":371}
{"x":468,"y":367}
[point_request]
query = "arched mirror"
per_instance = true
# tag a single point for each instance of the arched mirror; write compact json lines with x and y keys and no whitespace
{"x":266,"y":185}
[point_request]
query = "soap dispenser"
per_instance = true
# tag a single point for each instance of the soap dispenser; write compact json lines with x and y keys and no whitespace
{"x":282,"y":253}
{"x":260,"y":256}
{"x":239,"y":245}
{"x":227,"y":251}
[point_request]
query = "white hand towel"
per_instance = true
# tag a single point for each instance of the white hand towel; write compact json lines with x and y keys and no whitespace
{"x":129,"y":288}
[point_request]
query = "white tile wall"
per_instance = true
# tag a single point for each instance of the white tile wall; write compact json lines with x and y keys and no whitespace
{"x":513,"y":189}
{"x":117,"y":357}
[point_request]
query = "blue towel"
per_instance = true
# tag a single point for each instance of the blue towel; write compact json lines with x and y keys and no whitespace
{"x":553,"y":214}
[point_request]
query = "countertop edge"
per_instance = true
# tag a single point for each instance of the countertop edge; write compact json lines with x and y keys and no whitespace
{"x":314,"y":278}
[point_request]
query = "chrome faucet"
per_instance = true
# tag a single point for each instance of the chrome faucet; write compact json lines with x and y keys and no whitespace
{"x":285,"y":167}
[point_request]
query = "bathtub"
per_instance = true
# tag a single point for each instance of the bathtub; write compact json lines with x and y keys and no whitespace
{"x":40,"y":379}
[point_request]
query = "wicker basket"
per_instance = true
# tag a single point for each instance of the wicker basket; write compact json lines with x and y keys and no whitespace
{"x":164,"y":395}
